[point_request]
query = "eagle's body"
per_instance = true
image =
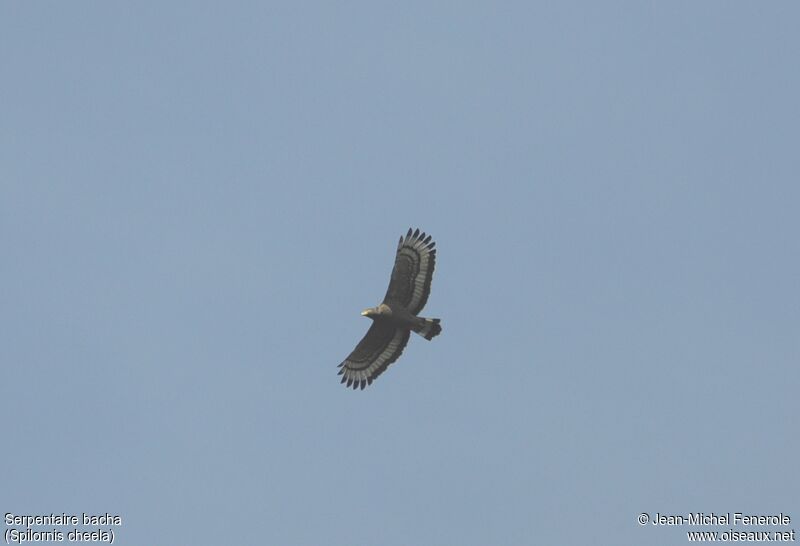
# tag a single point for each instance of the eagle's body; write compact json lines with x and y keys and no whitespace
{"x":395,"y":318}
{"x":395,"y":314}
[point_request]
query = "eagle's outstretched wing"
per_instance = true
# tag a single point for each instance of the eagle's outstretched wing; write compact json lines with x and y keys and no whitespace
{"x":381,"y":346}
{"x":413,"y":270}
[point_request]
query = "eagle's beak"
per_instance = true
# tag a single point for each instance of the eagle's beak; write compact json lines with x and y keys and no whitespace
{"x":365,"y":312}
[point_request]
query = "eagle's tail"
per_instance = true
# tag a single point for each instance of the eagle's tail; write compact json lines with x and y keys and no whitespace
{"x":428,"y":328}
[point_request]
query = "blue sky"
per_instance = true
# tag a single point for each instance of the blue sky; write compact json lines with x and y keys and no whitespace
{"x":198,"y":199}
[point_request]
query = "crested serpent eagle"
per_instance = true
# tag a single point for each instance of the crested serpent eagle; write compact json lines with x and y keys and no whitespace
{"x":395,"y":318}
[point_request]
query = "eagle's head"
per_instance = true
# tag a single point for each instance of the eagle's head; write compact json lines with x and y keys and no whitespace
{"x":373,"y":312}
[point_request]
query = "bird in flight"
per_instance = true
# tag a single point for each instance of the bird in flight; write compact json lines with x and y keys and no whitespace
{"x":395,"y":318}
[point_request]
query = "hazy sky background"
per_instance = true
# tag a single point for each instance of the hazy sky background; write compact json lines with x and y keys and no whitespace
{"x":198,"y":198}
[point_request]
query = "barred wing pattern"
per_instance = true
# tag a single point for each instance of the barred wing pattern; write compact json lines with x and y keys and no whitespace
{"x":413,"y":271}
{"x":382,"y":345}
